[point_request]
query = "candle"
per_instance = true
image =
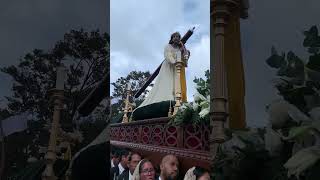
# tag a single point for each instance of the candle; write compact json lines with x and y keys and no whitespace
{"x":61,"y":73}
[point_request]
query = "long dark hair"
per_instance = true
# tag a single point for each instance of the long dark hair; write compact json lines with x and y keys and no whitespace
{"x":170,"y":42}
{"x":133,"y":153}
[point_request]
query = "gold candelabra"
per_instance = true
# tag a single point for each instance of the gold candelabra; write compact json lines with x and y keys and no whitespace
{"x":58,"y":98}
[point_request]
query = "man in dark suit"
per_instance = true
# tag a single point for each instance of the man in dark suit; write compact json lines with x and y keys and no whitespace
{"x":115,"y":157}
{"x":134,"y":160}
{"x":122,"y":166}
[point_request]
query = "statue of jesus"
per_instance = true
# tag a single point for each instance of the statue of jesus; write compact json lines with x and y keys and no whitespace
{"x":164,"y":87}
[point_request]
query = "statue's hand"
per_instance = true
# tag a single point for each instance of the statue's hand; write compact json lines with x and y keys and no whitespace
{"x":186,"y":56}
{"x":185,"y":59}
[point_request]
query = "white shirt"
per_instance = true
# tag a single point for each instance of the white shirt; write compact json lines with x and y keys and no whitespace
{"x":130,"y":176}
{"x":159,"y":178}
{"x":121,"y":169}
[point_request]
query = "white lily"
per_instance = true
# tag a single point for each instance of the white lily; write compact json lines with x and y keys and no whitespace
{"x":204,"y":112}
{"x":280,"y":112}
{"x":198,"y":97}
{"x":302,"y":160}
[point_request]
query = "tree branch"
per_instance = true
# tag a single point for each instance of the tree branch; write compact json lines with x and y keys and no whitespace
{"x":74,"y":106}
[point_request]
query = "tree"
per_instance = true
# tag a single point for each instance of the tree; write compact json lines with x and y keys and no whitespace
{"x":86,"y":57}
{"x":203,"y":85}
{"x":136,"y":79}
{"x":298,"y":82}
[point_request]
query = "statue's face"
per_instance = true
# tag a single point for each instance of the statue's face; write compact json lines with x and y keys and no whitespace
{"x":176,"y":39}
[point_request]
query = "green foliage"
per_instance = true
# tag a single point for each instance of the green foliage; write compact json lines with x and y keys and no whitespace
{"x":86,"y":57}
{"x":296,"y":86}
{"x":297,"y":78}
{"x":298,"y":82}
{"x":184,"y":115}
{"x":137,"y":80}
{"x":203,"y":86}
{"x":275,"y":60}
{"x":196,"y":112}
{"x":249,"y":162}
{"x":312,"y":40}
{"x":314,"y":62}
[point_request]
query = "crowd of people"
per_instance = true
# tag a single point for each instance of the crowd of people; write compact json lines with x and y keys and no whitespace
{"x":129,"y":165}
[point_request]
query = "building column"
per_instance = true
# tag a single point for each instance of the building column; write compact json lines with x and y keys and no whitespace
{"x":220,"y":10}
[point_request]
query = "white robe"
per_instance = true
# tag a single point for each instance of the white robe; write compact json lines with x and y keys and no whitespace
{"x":164,"y":86}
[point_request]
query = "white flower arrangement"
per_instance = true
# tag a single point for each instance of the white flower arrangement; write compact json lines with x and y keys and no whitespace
{"x":302,"y":160}
{"x":306,"y":136}
{"x":200,"y":106}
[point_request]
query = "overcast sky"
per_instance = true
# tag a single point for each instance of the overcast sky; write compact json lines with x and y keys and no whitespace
{"x":26,"y":25}
{"x":277,"y":23}
{"x":141,"y":28}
